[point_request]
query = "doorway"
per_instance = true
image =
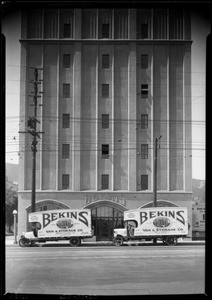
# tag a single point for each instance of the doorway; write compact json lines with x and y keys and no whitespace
{"x":104,"y":220}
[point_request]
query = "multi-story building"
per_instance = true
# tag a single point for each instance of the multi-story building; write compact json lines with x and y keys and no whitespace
{"x":113,"y":80}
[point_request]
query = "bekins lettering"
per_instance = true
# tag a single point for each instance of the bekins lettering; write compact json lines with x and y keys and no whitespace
{"x":49,"y":217}
{"x":144,"y":216}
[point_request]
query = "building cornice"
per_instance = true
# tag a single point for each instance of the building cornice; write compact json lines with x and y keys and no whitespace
{"x":141,"y":41}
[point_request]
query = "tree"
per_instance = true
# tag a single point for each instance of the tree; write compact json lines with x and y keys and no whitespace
{"x":10,"y":205}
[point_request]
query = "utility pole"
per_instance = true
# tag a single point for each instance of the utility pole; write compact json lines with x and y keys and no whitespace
{"x":155,"y":170}
{"x":32,"y":129}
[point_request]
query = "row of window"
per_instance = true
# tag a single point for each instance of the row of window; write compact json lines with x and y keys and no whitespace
{"x":105,"y":121}
{"x":105,"y":61}
{"x":105,"y":181}
{"x":156,"y":24}
{"x":105,"y":151}
{"x":106,"y":90}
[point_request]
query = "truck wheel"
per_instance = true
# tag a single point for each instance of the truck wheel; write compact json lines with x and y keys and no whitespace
{"x":75,"y":242}
{"x":118,"y":241}
{"x":171,"y":240}
{"x":24,"y":242}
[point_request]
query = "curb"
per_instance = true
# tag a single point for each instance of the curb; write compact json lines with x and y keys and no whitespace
{"x":106,"y":243}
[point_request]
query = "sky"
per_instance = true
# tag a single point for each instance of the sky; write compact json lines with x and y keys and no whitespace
{"x":200,"y":29}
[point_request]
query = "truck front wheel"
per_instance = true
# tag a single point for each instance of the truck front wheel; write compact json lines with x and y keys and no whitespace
{"x":75,"y":241}
{"x":170,"y":240}
{"x":118,"y":241}
{"x":23,"y":242}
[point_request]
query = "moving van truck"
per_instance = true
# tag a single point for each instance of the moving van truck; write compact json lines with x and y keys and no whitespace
{"x":162,"y":223}
{"x":56,"y":225}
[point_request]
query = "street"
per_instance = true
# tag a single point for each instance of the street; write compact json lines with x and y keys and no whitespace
{"x":106,"y":270}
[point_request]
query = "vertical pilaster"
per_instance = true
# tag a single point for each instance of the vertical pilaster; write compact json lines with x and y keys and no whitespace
{"x":113,"y":121}
{"x":132,"y":113}
{"x":167,"y":142}
{"x":41,"y":124}
{"x":153,"y":120}
{"x":23,"y":117}
{"x":58,"y":118}
{"x":184,"y":124}
{"x":97,"y":116}
{"x":76,"y":125}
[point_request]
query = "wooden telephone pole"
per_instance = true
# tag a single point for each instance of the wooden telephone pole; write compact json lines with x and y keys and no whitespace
{"x":157,"y":146}
{"x":32,"y":129}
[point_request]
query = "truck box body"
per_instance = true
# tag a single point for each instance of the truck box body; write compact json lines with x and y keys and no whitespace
{"x":159,"y":221}
{"x":63,"y":223}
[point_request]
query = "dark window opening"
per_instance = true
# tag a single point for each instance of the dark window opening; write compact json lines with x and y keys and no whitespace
{"x":105,"y":61}
{"x":66,"y":90}
{"x":67,"y":30}
{"x":105,"y":31}
{"x":144,"y":121}
{"x":144,"y":91}
{"x":66,"y":60}
{"x":65,"y":181}
{"x":66,"y":120}
{"x":144,"y":31}
{"x":144,"y":151}
{"x":65,"y":151}
{"x":105,"y":90}
{"x":105,"y":151}
{"x":144,"y":61}
{"x":105,"y":121}
{"x":144,"y":182}
{"x":105,"y":181}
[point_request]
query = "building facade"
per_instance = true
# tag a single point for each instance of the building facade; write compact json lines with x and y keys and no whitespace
{"x":112,"y":80}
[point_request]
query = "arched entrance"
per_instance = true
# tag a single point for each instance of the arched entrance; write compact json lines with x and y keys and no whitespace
{"x":47,"y":204}
{"x":160,"y":203}
{"x":105,"y":217}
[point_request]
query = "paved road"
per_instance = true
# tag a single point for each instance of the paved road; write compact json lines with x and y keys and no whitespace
{"x":105,"y":270}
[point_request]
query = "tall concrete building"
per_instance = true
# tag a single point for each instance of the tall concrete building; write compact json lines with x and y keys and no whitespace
{"x":113,"y":80}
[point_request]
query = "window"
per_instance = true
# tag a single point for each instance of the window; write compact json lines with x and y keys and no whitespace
{"x":144,"y":31}
{"x":65,"y":151}
{"x":66,"y":120}
{"x":65,"y":181}
{"x":50,"y":23}
{"x":105,"y":61}
{"x":66,"y":22}
{"x":67,"y":30}
{"x":144,"y":151}
{"x":66,"y":60}
{"x":144,"y":182}
{"x":105,"y":31}
{"x":144,"y":91}
{"x":89,"y":23}
{"x":66,"y":90}
{"x":144,"y":121}
{"x":105,"y":181}
{"x":144,"y":61}
{"x":105,"y":90}
{"x":160,"y":23}
{"x":105,"y":121}
{"x":105,"y":151}
{"x":176,"y":24}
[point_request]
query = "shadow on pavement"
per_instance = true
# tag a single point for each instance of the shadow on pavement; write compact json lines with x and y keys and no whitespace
{"x":105,"y":244}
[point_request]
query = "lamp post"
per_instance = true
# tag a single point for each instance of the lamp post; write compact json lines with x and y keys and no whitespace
{"x":15,"y":227}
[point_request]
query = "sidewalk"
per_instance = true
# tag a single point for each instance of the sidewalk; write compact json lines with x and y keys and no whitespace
{"x":9,"y":241}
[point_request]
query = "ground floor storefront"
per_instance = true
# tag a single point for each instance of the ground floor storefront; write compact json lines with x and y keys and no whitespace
{"x":107,"y":209}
